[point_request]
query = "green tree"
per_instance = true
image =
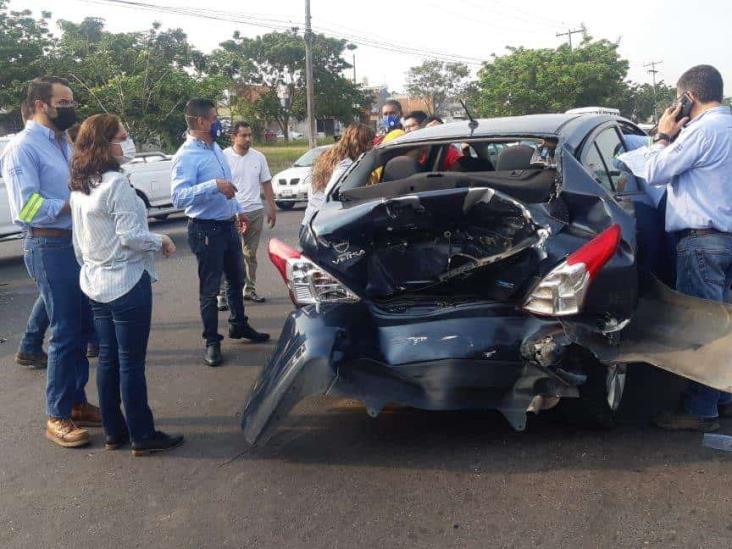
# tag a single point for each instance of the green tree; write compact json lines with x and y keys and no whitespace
{"x":24,"y":44}
{"x":552,"y":80}
{"x":437,"y":82}
{"x":272,"y":66}
{"x":639,"y":100}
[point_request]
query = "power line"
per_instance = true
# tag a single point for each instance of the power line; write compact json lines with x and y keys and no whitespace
{"x":287,"y":24}
{"x":653,"y":71}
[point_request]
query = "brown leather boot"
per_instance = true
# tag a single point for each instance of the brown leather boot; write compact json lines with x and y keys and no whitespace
{"x":65,"y":433}
{"x":86,"y":415}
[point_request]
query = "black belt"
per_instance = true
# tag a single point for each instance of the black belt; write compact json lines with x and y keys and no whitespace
{"x":210,"y":222}
{"x":697,"y":232}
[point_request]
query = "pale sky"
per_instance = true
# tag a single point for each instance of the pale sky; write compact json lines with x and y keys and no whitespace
{"x":649,"y":30}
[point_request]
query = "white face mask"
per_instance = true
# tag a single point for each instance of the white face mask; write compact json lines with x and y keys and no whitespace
{"x":128,"y":150}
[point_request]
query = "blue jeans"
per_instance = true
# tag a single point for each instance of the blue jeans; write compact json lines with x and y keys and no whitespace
{"x":217,"y":245}
{"x":35,"y":330}
{"x":51,"y":262}
{"x":704,"y":269}
{"x":123,"y":326}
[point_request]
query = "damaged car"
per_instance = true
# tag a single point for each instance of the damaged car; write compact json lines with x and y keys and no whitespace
{"x":504,"y":278}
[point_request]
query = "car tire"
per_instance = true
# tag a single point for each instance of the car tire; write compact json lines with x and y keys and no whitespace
{"x":599,"y":397}
{"x":285,"y":205}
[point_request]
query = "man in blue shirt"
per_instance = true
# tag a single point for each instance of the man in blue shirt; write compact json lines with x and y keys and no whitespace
{"x":201,"y":183}
{"x":693,"y":157}
{"x":35,"y":166}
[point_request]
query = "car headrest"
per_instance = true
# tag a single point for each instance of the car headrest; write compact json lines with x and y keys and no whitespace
{"x":400,"y":167}
{"x":517,"y":157}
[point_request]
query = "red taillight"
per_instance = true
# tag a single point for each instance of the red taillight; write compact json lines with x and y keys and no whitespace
{"x":597,"y":251}
{"x":279,"y":253}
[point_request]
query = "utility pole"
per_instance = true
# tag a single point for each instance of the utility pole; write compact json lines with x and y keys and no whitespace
{"x":309,"y":83}
{"x":652,"y":71}
{"x":354,"y":68}
{"x":569,"y":34}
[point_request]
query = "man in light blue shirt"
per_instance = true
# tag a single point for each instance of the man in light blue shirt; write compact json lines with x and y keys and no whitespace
{"x":696,"y":166}
{"x":201,"y":183}
{"x":35,"y":166}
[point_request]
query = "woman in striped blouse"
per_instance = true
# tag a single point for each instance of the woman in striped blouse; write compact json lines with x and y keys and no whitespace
{"x":115,"y":250}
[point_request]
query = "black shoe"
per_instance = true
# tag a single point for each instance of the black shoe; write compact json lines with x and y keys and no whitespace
{"x":159,"y":442}
{"x":115,"y":443}
{"x":252,"y":296}
{"x":213,"y":355}
{"x":32,"y":360}
{"x":221,"y":303}
{"x":92,"y":351}
{"x":247,"y":332}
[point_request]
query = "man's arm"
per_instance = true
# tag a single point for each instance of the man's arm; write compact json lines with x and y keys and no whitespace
{"x":185,"y":189}
{"x":27,"y":204}
{"x":265,"y":180}
{"x":664,"y":162}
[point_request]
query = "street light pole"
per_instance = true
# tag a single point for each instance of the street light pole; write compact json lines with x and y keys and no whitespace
{"x":309,"y":83}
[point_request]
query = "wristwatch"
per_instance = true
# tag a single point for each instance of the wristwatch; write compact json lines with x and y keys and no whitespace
{"x":662,"y":137}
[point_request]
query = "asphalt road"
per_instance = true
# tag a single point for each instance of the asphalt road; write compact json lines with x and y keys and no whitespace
{"x":332,"y":476}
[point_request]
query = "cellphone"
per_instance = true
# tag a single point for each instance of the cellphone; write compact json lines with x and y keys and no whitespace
{"x":686,"y":104}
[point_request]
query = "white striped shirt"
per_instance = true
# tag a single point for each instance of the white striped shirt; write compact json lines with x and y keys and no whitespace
{"x":111,"y":238}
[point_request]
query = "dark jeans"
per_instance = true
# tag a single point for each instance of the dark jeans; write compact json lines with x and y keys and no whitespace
{"x":123,"y":326}
{"x":35,"y":330}
{"x":704,"y":269}
{"x":51,"y":262}
{"x":217,"y":246}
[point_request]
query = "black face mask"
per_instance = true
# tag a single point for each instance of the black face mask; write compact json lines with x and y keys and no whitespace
{"x":65,"y":118}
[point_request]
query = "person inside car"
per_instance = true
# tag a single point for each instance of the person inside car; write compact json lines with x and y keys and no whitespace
{"x":414,"y":121}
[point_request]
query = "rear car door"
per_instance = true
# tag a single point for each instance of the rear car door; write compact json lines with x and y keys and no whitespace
{"x":157,"y":170}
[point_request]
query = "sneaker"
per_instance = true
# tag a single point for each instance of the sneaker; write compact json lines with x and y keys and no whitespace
{"x":252,"y":296}
{"x":247,"y":332}
{"x":65,"y":433}
{"x":221,"y":303}
{"x":92,"y":351}
{"x":32,"y":360}
{"x":679,"y":421}
{"x":86,"y":415}
{"x":213,"y":356}
{"x":159,"y":442}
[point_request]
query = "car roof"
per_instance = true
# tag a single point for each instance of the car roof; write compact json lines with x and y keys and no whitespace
{"x":572,"y":128}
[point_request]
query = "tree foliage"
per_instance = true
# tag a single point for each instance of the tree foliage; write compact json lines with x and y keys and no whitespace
{"x":270,"y":71}
{"x":437,"y":82}
{"x":529,"y":81}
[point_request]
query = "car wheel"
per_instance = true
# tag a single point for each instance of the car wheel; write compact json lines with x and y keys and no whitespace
{"x":285,"y":205}
{"x":599,"y":397}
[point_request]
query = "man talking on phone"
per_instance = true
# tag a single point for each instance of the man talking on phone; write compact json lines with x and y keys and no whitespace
{"x":692,"y":154}
{"x":201,"y":183}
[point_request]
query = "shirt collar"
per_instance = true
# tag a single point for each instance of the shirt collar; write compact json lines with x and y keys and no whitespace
{"x":722,"y":109}
{"x":199,"y":142}
{"x":34,"y":127}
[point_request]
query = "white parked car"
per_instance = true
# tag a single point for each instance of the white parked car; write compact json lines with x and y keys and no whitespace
{"x":150,"y":176}
{"x":293,"y":184}
{"x":8,"y":229}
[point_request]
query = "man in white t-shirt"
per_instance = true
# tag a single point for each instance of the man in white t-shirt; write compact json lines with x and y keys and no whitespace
{"x":251,"y":177}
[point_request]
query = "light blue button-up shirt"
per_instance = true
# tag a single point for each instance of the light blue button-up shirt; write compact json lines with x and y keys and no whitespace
{"x":196,"y":167}
{"x":36,"y":170}
{"x":653,"y":194}
{"x":698,"y":170}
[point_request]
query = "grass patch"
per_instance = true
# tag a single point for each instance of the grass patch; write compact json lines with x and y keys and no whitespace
{"x":281,"y":157}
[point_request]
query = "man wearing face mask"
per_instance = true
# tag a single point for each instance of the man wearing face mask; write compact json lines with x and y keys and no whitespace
{"x":391,"y":120}
{"x":201,"y":183}
{"x":692,"y":158}
{"x":35,"y":166}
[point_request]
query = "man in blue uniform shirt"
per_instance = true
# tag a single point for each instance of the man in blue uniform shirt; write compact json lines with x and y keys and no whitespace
{"x":35,"y":166}
{"x":201,"y":183}
{"x":693,"y":156}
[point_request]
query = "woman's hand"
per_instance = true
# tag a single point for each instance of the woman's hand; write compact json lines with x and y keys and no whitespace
{"x":168,"y":245}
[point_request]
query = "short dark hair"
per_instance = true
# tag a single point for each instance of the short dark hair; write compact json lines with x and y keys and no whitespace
{"x":433,"y":118}
{"x":419,"y":116}
{"x":198,"y":107}
{"x":394,"y":103}
{"x":704,"y":81}
{"x":239,"y":124}
{"x":41,"y":89}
